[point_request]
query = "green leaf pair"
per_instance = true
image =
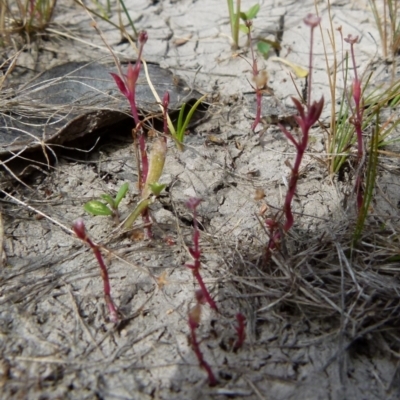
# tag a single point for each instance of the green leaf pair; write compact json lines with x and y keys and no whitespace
{"x":96,"y":207}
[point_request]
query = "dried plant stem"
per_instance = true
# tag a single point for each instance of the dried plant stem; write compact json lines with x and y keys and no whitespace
{"x":260,"y":82}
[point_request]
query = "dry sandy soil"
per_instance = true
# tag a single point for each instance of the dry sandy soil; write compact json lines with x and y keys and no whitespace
{"x":322,"y":321}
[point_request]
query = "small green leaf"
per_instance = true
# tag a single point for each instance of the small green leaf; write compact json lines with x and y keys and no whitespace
{"x":244,"y":28}
{"x":157,"y":188}
{"x":179,"y":132}
{"x":96,"y":207}
{"x":263,"y":48}
{"x":253,"y":11}
{"x":123,"y":190}
{"x":109,"y":200}
{"x":243,"y":16}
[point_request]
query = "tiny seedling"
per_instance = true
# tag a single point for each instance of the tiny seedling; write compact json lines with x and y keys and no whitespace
{"x":110,"y":207}
{"x":178,"y":132}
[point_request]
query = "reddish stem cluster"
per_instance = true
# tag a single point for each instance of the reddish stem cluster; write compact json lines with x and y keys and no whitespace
{"x":80,"y":231}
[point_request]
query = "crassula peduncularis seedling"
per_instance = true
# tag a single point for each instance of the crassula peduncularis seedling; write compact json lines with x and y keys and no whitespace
{"x":308,"y":116}
{"x":110,"y":205}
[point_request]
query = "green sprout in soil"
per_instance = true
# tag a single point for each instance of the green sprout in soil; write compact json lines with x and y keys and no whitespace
{"x":110,"y":207}
{"x":178,"y":132}
{"x":80,"y":231}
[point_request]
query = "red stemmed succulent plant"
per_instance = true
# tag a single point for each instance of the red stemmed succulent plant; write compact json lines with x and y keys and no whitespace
{"x":308,"y":116}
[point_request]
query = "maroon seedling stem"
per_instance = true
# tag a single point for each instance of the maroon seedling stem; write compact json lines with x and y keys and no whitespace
{"x":80,"y":231}
{"x":195,"y":251}
{"x":308,"y":116}
{"x":194,"y":317}
{"x":240,"y":330}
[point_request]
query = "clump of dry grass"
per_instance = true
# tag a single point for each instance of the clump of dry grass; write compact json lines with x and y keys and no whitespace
{"x":24,"y":18}
{"x":347,"y":291}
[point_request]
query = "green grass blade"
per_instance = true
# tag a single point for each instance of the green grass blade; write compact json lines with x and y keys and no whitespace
{"x":179,"y":135}
{"x":189,"y":117}
{"x":129,"y":17}
{"x":370,"y":182}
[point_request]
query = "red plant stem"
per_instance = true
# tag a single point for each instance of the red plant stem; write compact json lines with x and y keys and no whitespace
{"x":195,"y":251}
{"x":308,"y":116}
{"x":357,"y":101}
{"x":196,"y":348}
{"x":134,"y":111}
{"x":310,"y":68}
{"x":206,"y":294}
{"x":357,"y":121}
{"x":80,"y":231}
{"x":240,"y":330}
{"x":287,"y":207}
{"x":165,"y":114}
